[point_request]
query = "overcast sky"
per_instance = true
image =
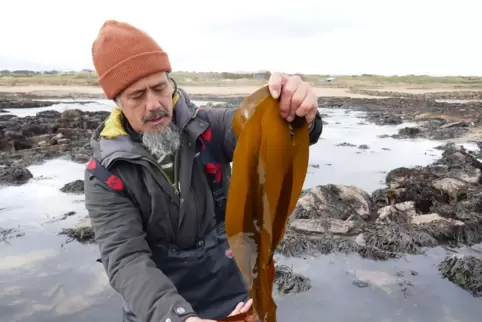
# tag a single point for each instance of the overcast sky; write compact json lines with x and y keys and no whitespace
{"x":441,"y":37}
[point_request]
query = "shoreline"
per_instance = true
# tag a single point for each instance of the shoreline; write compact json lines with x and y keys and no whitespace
{"x":405,"y":91}
{"x":460,"y":106}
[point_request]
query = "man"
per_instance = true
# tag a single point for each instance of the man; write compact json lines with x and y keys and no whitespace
{"x":156,"y":210}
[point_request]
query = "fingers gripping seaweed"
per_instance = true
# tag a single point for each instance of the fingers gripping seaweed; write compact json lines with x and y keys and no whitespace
{"x":269,"y":168}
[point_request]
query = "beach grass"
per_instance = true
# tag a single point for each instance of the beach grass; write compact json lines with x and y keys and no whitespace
{"x":89,"y":78}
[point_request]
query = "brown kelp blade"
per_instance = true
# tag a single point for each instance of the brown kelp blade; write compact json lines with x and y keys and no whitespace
{"x":269,"y":168}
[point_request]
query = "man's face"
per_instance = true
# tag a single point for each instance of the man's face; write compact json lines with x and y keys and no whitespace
{"x":147,"y":104}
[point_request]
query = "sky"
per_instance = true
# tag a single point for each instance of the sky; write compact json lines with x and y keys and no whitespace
{"x":337,"y":37}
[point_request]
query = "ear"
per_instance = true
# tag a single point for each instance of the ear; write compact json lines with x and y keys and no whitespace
{"x":117,"y":102}
{"x":173,"y":83}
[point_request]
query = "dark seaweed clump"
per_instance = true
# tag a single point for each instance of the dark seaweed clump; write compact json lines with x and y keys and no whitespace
{"x":465,"y":271}
{"x":289,"y":282}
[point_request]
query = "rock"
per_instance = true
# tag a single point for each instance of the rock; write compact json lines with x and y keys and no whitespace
{"x":334,"y":202}
{"x":289,"y":282}
{"x":457,"y":162}
{"x":13,"y":175}
{"x":41,"y":138}
{"x":360,"y":284}
{"x":75,"y":187}
{"x":464,"y":271}
{"x":72,"y":114}
{"x":413,"y":213}
{"x":321,"y":226}
{"x":63,"y":141}
{"x":430,"y":218}
{"x":81,"y":232}
{"x":445,"y":117}
{"x":23,"y":103}
{"x":346,"y":144}
{"x":401,"y":176}
{"x":452,"y":187}
{"x":387,"y":212}
{"x":382,"y":118}
{"x":10,"y":233}
{"x":408,"y":132}
{"x":33,"y":139}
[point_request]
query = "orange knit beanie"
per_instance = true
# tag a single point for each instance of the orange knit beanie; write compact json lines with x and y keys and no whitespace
{"x":123,"y":54}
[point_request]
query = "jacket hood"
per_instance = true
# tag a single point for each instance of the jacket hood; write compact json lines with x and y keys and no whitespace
{"x":111,"y":140}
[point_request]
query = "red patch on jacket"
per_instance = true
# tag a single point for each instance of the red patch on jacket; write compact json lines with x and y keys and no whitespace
{"x":114,"y":182}
{"x":229,"y":253}
{"x":207,"y":135}
{"x":92,"y":164}
{"x":214,"y":169}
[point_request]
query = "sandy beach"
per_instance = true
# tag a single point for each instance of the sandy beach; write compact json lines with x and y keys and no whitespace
{"x":59,"y":91}
{"x":222,"y":91}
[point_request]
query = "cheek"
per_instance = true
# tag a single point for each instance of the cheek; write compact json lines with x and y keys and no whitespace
{"x":167,"y":104}
{"x":136,"y":119}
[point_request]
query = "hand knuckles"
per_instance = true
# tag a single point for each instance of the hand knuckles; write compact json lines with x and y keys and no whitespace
{"x":297,"y":79}
{"x":296,"y":101}
{"x":288,"y":91}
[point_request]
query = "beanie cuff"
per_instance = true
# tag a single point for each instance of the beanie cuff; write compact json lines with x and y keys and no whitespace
{"x":127,"y":72}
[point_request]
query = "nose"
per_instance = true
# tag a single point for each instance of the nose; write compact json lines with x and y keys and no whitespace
{"x":152,"y":103}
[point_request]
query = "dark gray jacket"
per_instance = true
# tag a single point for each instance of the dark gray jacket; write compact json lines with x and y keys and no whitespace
{"x":164,"y":253}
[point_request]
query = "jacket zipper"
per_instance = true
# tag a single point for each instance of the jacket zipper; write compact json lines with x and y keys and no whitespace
{"x":177,"y":185}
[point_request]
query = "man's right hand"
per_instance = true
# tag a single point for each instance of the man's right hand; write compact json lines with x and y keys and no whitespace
{"x":242,"y":307}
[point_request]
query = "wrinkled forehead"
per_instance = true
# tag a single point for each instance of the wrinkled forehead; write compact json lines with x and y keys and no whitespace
{"x":152,"y":81}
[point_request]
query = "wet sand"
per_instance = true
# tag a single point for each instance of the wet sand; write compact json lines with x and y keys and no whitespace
{"x":225,"y":91}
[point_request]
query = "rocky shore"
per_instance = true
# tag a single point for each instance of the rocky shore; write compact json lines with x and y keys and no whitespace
{"x":33,"y":139}
{"x":50,"y":134}
{"x":422,"y":207}
{"x":452,"y":95}
{"x":25,"y":102}
{"x":434,"y":120}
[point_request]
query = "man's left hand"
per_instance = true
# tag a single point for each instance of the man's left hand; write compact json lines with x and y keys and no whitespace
{"x":296,"y":97}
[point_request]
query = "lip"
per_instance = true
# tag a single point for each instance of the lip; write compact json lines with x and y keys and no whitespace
{"x":158,"y":121}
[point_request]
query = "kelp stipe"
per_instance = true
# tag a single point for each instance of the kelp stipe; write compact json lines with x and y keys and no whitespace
{"x":269,"y":168}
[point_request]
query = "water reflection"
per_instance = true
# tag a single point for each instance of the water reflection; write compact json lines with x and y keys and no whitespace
{"x":409,"y":289}
{"x":42,"y":278}
{"x":89,"y":105}
{"x":364,"y":168}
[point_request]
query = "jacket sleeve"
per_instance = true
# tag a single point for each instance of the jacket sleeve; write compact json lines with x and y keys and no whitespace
{"x":221,"y":119}
{"x":126,"y":257}
{"x":316,"y":128}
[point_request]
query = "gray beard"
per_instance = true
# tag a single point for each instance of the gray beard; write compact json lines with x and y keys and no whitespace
{"x":160,"y":143}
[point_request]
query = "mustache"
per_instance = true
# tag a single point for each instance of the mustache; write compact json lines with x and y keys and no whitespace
{"x":155,"y":115}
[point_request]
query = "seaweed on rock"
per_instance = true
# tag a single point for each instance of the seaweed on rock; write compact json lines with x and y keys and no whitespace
{"x":289,"y":282}
{"x":440,"y":204}
{"x":464,"y":271}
